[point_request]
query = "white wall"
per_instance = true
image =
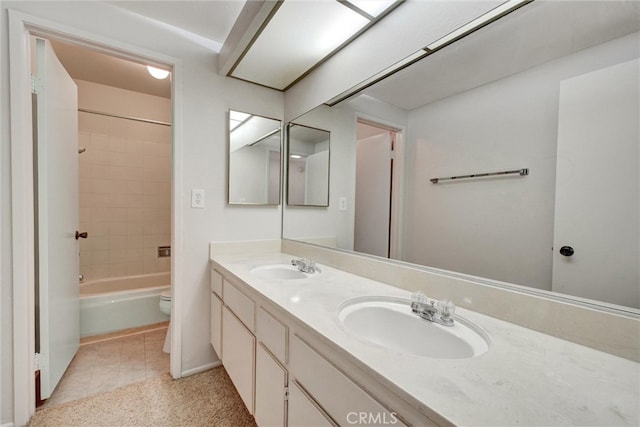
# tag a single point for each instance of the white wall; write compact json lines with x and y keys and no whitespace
{"x":305,"y":222}
{"x":207,"y":97}
{"x":317,"y":178}
{"x":498,"y":228}
{"x":248,"y":175}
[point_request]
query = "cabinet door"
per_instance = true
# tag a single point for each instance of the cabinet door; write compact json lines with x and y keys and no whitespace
{"x":215,"y":331}
{"x":303,"y":411}
{"x":238,"y":356}
{"x":271,"y":380}
{"x":338,"y":395}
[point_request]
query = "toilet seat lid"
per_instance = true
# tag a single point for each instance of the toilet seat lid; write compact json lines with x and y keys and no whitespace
{"x":166,"y":294}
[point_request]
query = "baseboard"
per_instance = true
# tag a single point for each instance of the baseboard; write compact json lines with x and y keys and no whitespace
{"x":199,"y":369}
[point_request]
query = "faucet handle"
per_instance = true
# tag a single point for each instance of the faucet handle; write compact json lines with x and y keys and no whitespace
{"x":446,"y":309}
{"x":419,"y":297}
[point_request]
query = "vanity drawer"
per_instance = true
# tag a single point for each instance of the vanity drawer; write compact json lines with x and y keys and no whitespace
{"x":272,"y":334}
{"x":336,"y":394}
{"x":216,"y":283}
{"x":241,"y":305}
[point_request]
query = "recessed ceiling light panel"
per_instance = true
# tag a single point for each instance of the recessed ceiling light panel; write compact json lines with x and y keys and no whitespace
{"x":298,"y":36}
{"x":372,"y":7}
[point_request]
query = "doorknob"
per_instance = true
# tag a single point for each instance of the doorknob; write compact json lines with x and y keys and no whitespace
{"x":566,"y":251}
{"x":84,"y":234}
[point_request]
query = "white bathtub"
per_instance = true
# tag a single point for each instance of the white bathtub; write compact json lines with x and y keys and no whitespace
{"x":110,"y":305}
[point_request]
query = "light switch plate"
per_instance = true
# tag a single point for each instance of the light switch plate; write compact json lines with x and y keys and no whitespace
{"x":197,"y":198}
{"x":343,"y":204}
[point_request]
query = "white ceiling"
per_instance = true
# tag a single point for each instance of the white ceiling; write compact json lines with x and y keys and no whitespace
{"x":538,"y":32}
{"x":86,"y":64}
{"x":280,"y":59}
{"x":210,"y":20}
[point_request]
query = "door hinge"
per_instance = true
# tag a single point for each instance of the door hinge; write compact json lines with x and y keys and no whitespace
{"x":36,"y":84}
{"x":36,"y":361}
{"x":392,"y":155}
{"x":286,"y":393}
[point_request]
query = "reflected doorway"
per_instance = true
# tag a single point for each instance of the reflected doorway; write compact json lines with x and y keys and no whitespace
{"x":375,"y":152}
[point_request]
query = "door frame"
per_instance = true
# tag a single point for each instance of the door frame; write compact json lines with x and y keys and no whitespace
{"x":21,"y":27}
{"x":398,"y":181}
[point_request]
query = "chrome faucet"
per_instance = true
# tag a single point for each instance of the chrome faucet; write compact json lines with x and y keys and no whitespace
{"x":440,"y":312}
{"x":305,"y":265}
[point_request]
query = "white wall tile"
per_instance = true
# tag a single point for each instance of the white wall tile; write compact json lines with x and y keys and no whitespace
{"x":150,"y":241}
{"x":125,"y":199}
{"x":117,"y":242}
{"x":117,"y":228}
{"x":134,"y":242}
{"x":133,"y":187}
{"x":135,"y":228}
{"x":99,"y":142}
{"x":134,"y":255}
{"x":117,"y":144}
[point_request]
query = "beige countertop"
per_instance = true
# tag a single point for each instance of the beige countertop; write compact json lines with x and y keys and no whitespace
{"x":525,"y":378}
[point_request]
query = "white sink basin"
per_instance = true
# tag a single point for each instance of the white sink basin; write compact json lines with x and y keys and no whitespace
{"x":390,"y":323}
{"x":278,"y":272}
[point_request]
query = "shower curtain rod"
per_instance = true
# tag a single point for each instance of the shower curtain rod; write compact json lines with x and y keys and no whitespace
{"x":137,"y":119}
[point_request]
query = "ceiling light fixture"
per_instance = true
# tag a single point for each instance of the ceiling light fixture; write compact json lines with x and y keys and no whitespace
{"x":373,"y":8}
{"x":157,"y":73}
{"x":276,"y":59}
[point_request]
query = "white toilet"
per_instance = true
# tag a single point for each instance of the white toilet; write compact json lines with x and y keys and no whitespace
{"x":165,"y":307}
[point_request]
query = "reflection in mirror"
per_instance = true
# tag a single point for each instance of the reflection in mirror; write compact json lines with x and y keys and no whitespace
{"x":254,"y":159}
{"x":307,"y":166}
{"x":552,"y":87}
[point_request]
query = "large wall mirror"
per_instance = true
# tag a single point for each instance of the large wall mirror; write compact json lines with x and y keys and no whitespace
{"x":536,"y":118}
{"x":254,"y":159}
{"x":307,"y":165}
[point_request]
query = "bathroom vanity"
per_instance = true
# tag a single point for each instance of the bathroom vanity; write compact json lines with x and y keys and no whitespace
{"x":293,"y":362}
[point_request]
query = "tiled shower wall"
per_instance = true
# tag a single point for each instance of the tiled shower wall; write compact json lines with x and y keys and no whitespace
{"x":125,"y":196}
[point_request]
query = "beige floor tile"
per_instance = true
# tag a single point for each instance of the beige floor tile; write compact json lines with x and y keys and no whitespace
{"x":106,"y":365}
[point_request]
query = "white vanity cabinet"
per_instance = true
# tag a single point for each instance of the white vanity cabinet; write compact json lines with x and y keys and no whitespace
{"x":321,"y":380}
{"x":284,"y":375}
{"x":271,"y":389}
{"x":254,"y":364}
{"x":215,"y":327}
{"x":239,"y":342}
{"x":271,"y":375}
{"x":238,"y":355}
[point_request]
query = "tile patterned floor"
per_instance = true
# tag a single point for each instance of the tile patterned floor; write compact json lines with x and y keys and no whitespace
{"x":107,"y":365}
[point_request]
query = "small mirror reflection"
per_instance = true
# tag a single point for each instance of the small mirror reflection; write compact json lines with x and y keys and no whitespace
{"x":308,"y":166}
{"x":254,"y":159}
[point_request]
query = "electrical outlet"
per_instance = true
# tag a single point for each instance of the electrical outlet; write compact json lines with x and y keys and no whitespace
{"x":197,"y":198}
{"x":343,"y":204}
